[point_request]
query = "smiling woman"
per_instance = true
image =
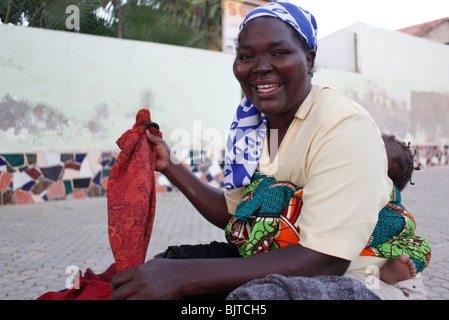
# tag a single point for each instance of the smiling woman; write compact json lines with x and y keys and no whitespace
{"x":326,"y":145}
{"x":274,"y":70}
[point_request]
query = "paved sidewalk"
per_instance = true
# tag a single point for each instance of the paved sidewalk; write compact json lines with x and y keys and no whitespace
{"x":38,"y":242}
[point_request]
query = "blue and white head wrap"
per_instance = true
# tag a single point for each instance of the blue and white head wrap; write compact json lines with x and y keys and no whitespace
{"x":301,"y":20}
{"x":248,"y":129}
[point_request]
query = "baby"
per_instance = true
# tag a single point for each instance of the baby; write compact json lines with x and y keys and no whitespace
{"x":400,"y":169}
{"x":258,"y":228}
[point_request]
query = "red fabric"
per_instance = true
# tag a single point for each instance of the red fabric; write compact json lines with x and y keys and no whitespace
{"x":91,"y":287}
{"x":131,"y":195}
{"x":131,"y":198}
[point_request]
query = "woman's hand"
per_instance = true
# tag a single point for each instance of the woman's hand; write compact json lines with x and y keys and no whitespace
{"x":159,"y":279}
{"x":164,"y":155}
{"x":208,"y":200}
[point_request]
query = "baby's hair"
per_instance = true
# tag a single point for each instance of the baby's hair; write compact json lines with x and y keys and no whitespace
{"x":404,"y":158}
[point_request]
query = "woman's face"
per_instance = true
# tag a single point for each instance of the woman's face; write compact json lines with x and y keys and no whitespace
{"x":272,"y":66}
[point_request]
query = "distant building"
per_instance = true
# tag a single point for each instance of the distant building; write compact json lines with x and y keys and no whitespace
{"x":401,"y":79}
{"x":437,"y":30}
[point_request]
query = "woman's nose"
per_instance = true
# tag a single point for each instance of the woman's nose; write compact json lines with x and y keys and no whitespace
{"x":262,"y":66}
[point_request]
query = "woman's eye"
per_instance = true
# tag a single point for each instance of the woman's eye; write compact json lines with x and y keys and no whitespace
{"x":244,"y":56}
{"x":279,"y":53}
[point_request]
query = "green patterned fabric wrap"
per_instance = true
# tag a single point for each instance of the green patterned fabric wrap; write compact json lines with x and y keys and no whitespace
{"x":394,"y":235}
{"x":261,"y":238}
{"x":256,"y":222}
{"x":264,"y":196}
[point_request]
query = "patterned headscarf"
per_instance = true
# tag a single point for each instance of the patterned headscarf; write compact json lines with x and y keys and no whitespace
{"x":301,"y":20}
{"x":248,"y":129}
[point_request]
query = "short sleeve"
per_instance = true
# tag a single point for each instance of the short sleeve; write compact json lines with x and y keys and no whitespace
{"x":347,"y":185}
{"x":233,"y":197}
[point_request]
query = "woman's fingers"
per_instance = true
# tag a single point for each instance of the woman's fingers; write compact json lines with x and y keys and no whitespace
{"x":121,"y":285}
{"x":153,"y":139}
{"x":162,"y":150}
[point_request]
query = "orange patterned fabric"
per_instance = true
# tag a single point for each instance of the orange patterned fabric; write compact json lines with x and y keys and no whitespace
{"x":131,"y":195}
{"x":288,"y":224}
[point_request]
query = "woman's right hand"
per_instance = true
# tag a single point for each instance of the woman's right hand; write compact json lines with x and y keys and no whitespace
{"x":208,"y":200}
{"x":164,"y":155}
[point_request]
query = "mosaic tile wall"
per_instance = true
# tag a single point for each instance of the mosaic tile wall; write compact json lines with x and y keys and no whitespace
{"x":38,"y":177}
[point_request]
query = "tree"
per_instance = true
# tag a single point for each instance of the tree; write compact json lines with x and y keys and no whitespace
{"x":192,"y":23}
{"x":204,"y":15}
{"x":50,"y":14}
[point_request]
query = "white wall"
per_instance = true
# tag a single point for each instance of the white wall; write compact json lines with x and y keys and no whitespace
{"x":63,"y":91}
{"x":403,"y":81}
{"x":337,"y":51}
{"x":421,"y":63}
{"x":385,"y":54}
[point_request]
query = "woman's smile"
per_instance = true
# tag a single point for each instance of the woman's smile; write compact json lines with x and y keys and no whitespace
{"x":267,"y":90}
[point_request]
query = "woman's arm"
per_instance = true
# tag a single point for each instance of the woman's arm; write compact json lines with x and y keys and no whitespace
{"x":216,"y":275}
{"x":209,"y":201}
{"x":177,"y":278}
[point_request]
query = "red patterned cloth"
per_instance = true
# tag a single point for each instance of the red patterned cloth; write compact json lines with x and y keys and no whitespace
{"x":131,"y":195}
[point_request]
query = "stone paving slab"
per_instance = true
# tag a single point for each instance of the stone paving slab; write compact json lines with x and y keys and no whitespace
{"x":428,"y":201}
{"x":38,"y":242}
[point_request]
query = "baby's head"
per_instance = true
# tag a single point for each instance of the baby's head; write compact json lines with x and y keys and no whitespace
{"x":400,"y":161}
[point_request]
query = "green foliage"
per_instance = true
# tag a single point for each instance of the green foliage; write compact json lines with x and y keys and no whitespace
{"x":192,"y":23}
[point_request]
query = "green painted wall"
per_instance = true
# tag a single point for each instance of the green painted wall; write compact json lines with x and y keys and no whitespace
{"x":71,"y":92}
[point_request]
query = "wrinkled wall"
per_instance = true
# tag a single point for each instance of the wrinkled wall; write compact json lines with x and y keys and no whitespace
{"x":430,"y":118}
{"x":402,"y":80}
{"x":419,"y":117}
{"x":62,"y":91}
{"x":69,"y":92}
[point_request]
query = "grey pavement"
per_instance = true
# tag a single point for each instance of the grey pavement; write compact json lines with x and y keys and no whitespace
{"x":39,"y":242}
